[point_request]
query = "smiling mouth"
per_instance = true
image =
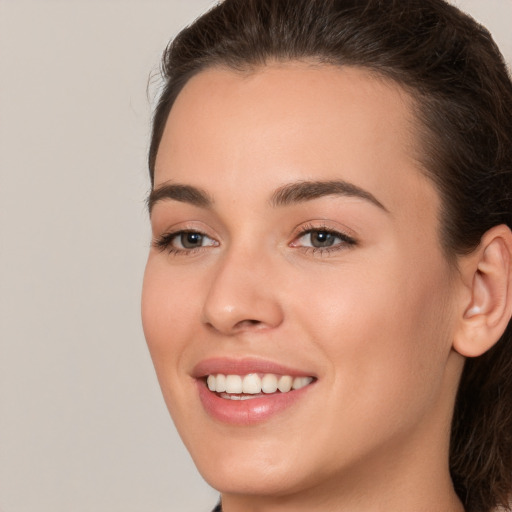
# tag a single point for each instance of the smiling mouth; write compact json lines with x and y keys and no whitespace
{"x":254,"y":385}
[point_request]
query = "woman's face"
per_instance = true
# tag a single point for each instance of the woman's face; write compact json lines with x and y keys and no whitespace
{"x":296,"y":240}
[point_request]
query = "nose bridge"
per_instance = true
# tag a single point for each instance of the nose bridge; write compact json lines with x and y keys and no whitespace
{"x":241,"y":295}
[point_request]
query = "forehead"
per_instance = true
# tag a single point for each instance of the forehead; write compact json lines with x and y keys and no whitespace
{"x":292,"y":121}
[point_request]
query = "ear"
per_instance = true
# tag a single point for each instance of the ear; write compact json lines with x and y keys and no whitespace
{"x":487,"y":303}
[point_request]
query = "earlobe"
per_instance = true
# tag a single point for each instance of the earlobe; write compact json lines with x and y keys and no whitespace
{"x":489,"y":309}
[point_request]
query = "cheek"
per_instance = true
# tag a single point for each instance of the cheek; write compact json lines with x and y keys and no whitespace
{"x":386,"y":334}
{"x":169,"y":304}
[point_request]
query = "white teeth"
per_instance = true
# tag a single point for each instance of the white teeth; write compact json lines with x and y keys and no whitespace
{"x":301,"y":382}
{"x":238,"y":397}
{"x":233,"y":384}
{"x":285,"y":383}
{"x":220,"y":383}
{"x":254,"y":384}
{"x":269,"y":383}
{"x":251,"y":384}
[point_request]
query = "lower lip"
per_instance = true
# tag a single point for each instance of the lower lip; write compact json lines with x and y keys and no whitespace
{"x":250,"y":411}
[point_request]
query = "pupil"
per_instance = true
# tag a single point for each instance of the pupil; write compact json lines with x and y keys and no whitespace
{"x":191,"y":240}
{"x":322,"y":239}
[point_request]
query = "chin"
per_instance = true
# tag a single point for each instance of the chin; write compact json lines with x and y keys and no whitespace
{"x":247,"y":478}
{"x":255,"y":466}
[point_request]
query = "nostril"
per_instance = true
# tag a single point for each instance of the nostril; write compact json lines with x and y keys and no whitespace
{"x":244,"y":324}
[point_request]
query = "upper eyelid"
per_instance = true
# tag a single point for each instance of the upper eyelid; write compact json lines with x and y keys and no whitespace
{"x":190,"y":226}
{"x":344,"y":239}
{"x":171,"y":233}
{"x":323,"y":225}
{"x":299,"y":231}
{"x":339,"y":234}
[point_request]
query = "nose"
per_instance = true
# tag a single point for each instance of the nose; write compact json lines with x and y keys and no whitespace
{"x":242,"y":295}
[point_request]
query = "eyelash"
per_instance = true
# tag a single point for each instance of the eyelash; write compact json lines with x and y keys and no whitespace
{"x":164,"y":242}
{"x":345,"y":240}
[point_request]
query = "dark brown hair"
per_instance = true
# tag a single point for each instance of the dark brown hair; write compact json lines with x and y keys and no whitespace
{"x":463,"y":96}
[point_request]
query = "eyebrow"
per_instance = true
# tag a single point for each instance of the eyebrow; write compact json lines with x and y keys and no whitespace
{"x":302,"y":191}
{"x":286,"y":195}
{"x":181,"y":193}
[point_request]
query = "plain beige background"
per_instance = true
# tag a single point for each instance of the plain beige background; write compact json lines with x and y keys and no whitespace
{"x":82,"y":423}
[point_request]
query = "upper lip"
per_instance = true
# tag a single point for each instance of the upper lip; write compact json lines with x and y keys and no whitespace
{"x":244,"y":366}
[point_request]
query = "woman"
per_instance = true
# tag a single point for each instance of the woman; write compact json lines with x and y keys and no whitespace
{"x":328,"y":294}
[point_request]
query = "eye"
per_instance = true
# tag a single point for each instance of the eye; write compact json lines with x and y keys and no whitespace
{"x":322,"y":239}
{"x":180,"y":242}
{"x":189,"y":240}
{"x":319,"y":239}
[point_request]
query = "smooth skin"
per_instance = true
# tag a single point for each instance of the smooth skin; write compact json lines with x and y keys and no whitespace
{"x":378,"y":315}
